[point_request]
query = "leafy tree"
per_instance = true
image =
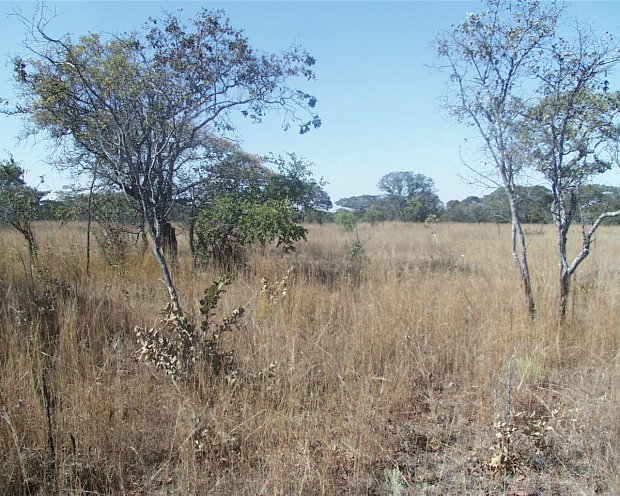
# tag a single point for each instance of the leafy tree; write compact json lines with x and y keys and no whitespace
{"x":596,"y":199}
{"x":321,"y":202}
{"x":359,"y":203}
{"x":421,"y":206}
{"x":406,"y":184}
{"x":251,"y":189}
{"x":535,"y":204}
{"x":227,"y":171}
{"x":294,"y":181}
{"x":318,"y":211}
{"x":144,"y":106}
{"x":490,"y":58}
{"x":471,"y":209}
{"x":18,"y":202}
{"x":409,"y":196}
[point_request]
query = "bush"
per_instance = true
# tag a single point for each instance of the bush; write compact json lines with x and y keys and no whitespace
{"x":346,"y":220}
{"x":226,"y":228}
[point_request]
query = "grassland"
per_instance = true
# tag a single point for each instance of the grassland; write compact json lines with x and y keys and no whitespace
{"x":409,"y":369}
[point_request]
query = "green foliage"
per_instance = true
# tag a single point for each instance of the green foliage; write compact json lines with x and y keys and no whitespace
{"x":320,"y":217}
{"x":420,"y":207}
{"x":346,"y":220}
{"x":19,"y":203}
{"x":355,"y":250}
{"x":471,"y":209}
{"x":231,"y":224}
{"x":241,"y":190}
{"x":141,"y":110}
{"x":293,"y":181}
{"x":405,"y":184}
{"x":534,"y":204}
{"x":594,"y":199}
{"x":407,"y":197}
{"x":360,"y":204}
{"x":373,"y":216}
{"x":395,"y":479}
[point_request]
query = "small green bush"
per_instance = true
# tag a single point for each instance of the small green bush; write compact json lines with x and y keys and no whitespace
{"x":346,"y":220}
{"x":231,"y":224}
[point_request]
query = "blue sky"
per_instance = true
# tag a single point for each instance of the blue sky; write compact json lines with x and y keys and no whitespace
{"x":378,"y":97}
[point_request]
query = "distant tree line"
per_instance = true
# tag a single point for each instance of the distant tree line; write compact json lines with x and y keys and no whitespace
{"x":535,"y":204}
{"x":247,"y":179}
{"x":411,"y":197}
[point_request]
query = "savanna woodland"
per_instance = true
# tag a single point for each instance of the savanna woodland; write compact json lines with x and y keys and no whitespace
{"x":193,"y":318}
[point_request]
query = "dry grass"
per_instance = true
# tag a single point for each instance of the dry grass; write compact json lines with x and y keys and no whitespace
{"x":389,"y":373}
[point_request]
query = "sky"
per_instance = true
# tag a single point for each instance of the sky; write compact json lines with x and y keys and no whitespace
{"x":379,"y":97}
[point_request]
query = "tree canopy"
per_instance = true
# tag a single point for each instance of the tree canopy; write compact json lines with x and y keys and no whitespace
{"x":140,"y":110}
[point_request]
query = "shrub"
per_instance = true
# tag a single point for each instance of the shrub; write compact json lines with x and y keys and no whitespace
{"x":174,"y":345}
{"x":346,"y":220}
{"x":226,"y":228}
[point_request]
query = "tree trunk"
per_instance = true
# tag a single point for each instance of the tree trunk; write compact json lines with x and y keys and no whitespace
{"x":156,"y":236}
{"x":566,"y":270}
{"x":564,"y":274}
{"x":32,"y":246}
{"x":33,"y":249}
{"x":563,"y":297}
{"x":519,"y":253}
{"x":192,"y":240}
{"x":169,"y":241}
{"x":89,"y":223}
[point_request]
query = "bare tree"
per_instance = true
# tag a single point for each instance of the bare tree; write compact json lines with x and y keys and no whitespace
{"x":491,"y":57}
{"x":570,"y":134}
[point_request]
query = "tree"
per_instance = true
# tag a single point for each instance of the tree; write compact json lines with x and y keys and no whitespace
{"x":570,"y":134}
{"x":373,"y":216}
{"x":18,"y":203}
{"x":321,"y":203}
{"x":249,"y":203}
{"x":293,"y":181}
{"x":490,"y":58}
{"x":535,"y":204}
{"x":422,"y":206}
{"x":410,"y":196}
{"x":145,"y":105}
{"x":345,"y":219}
{"x":405,"y":184}
{"x":471,"y":209}
{"x":359,"y":203}
{"x":227,"y":170}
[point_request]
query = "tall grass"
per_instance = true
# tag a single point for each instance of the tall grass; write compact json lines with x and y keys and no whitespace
{"x":411,"y":367}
